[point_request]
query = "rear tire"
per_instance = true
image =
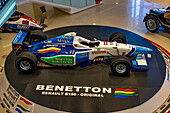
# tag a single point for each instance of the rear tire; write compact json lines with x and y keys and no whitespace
{"x":167,"y":29}
{"x":121,"y":66}
{"x":118,"y":37}
{"x":26,"y":62}
{"x":152,"y":24}
{"x":38,"y":36}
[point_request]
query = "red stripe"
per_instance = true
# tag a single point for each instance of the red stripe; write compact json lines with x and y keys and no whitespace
{"x":49,"y":51}
{"x":104,"y":43}
{"x":122,"y":89}
{"x":159,"y":46}
{"x":28,"y":103}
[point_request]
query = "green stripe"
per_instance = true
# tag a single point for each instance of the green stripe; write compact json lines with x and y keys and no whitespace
{"x":126,"y":94}
{"x":64,"y":60}
{"x":164,"y":52}
{"x":22,"y":108}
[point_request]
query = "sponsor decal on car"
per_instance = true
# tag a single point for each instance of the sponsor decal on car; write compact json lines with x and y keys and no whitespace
{"x":30,"y":19}
{"x":82,"y":55}
{"x":111,"y":43}
{"x":99,"y":52}
{"x":59,"y":60}
{"x":25,"y":22}
{"x":75,"y":45}
{"x":98,"y":49}
{"x":105,"y":43}
{"x":64,"y":41}
{"x":98,"y":60}
{"x":49,"y":49}
{"x":23,"y":26}
{"x":67,"y":37}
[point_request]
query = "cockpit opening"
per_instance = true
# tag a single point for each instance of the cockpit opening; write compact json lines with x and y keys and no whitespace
{"x":90,"y":44}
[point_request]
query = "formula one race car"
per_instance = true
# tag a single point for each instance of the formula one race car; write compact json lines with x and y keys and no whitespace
{"x":20,"y":21}
{"x":72,"y":50}
{"x":157,"y":18}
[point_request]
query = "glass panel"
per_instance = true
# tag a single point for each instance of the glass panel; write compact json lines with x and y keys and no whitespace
{"x":73,"y":3}
{"x":47,"y":0}
{"x":79,"y":3}
{"x":8,"y":7}
{"x":62,"y":2}
{"x":90,"y":2}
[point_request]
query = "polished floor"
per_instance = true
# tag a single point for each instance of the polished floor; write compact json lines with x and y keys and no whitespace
{"x":125,"y":14}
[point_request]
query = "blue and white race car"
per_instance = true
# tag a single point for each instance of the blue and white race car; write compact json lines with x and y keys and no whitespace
{"x":20,"y":21}
{"x":71,"y":50}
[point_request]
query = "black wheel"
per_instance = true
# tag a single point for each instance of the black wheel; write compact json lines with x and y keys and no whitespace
{"x":26,"y":62}
{"x":121,"y":66}
{"x":167,"y":29}
{"x":16,"y":30}
{"x":168,"y":8}
{"x":118,"y":37}
{"x":38,"y":36}
{"x":152,"y":24}
{"x":1,"y":31}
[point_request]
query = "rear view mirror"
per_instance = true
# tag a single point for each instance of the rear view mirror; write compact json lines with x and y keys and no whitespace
{"x":94,"y":39}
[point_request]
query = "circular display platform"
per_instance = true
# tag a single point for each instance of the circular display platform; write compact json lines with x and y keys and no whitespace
{"x":93,"y":88}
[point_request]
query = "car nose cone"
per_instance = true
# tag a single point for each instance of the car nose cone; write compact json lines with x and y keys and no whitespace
{"x":143,"y":49}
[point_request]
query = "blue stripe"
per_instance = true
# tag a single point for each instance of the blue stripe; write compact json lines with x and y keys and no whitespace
{"x":20,"y":37}
{"x":132,"y":51}
{"x":136,"y":63}
{"x":120,"y":96}
{"x":16,"y":109}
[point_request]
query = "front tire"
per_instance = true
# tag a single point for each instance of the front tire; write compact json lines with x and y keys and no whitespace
{"x":26,"y":62}
{"x":121,"y":66}
{"x":118,"y":37}
{"x":152,"y":24}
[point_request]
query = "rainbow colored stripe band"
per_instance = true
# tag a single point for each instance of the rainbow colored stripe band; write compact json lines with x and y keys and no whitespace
{"x":122,"y":89}
{"x":49,"y":49}
{"x":124,"y":93}
{"x":26,"y":102}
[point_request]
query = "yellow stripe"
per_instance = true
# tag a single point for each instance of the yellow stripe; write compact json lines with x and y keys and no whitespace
{"x":23,"y":104}
{"x":124,"y":92}
{"x":49,"y":49}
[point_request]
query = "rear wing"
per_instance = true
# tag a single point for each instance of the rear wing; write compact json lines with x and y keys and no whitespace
{"x":17,"y":43}
{"x":19,"y":38}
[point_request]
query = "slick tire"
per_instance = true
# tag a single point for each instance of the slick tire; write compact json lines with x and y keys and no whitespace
{"x":152,"y":24}
{"x":121,"y":66}
{"x":26,"y":62}
{"x":118,"y":37}
{"x":167,"y":29}
{"x":38,"y":36}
